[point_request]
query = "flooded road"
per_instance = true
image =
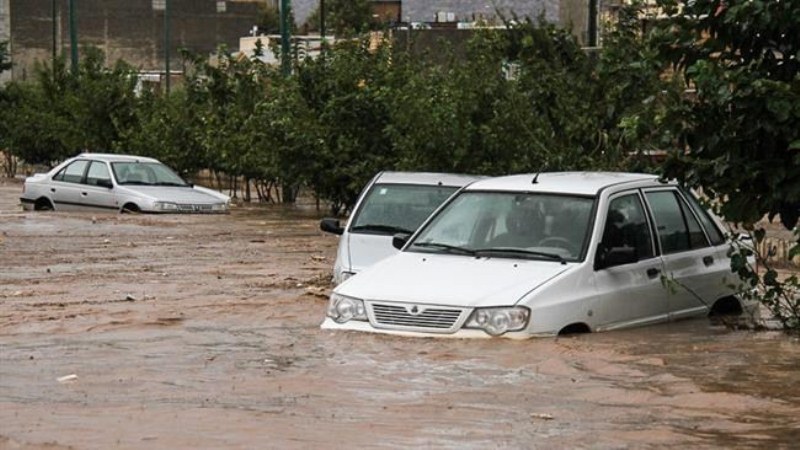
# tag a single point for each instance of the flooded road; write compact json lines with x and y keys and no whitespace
{"x":203,"y":332}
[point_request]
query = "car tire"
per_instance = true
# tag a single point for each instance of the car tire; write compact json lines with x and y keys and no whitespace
{"x":43,"y":204}
{"x":130,"y":208}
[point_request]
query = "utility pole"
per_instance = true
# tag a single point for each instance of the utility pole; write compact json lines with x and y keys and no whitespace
{"x":55,"y":30}
{"x":592,"y":31}
{"x":73,"y":36}
{"x":166,"y":45}
{"x":322,"y":20}
{"x":286,"y":63}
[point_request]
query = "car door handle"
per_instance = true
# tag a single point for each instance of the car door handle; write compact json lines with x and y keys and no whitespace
{"x":708,"y":260}
{"x":652,"y":272}
{"x":84,"y":194}
{"x":52,"y":189}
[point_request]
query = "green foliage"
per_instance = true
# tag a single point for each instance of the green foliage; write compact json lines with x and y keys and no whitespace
{"x":62,"y":113}
{"x":349,"y":91}
{"x":739,"y":135}
{"x":346,"y":18}
{"x":269,"y":19}
{"x":780,"y":295}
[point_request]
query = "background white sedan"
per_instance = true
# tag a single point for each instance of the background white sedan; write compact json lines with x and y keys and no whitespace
{"x":124,"y":183}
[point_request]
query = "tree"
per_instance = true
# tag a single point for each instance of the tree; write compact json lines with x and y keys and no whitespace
{"x":349,"y":90}
{"x":348,"y":17}
{"x":269,"y":19}
{"x":739,"y":136}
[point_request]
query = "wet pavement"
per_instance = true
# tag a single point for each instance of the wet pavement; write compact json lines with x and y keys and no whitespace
{"x":203,"y":332}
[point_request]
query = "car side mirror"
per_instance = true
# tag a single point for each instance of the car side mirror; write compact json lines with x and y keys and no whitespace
{"x":331,"y":226}
{"x":614,"y":256}
{"x":105,"y":183}
{"x":399,"y":240}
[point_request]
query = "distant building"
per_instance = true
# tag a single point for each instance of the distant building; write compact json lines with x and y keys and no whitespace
{"x":132,"y":30}
{"x":571,"y":14}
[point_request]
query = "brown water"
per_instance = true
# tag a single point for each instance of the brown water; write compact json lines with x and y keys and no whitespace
{"x":220,"y":348}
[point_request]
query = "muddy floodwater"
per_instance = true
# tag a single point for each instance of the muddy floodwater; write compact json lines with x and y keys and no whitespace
{"x":165,"y":332}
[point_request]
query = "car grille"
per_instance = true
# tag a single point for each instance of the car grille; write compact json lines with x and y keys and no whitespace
{"x":399,"y":316}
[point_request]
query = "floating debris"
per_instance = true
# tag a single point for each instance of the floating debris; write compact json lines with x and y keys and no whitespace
{"x":67,"y":378}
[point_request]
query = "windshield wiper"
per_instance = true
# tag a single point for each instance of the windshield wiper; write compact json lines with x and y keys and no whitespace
{"x":451,"y":248}
{"x":169,"y":183}
{"x":136,"y":183}
{"x":520,"y":251}
{"x":385,"y":228}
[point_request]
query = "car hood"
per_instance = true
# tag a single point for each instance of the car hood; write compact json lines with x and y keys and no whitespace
{"x":367,"y":249}
{"x":451,"y":280}
{"x":184,"y":195}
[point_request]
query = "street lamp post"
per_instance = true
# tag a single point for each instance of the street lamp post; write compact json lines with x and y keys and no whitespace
{"x":166,"y":46}
{"x":73,"y":36}
{"x":322,"y":19}
{"x":285,"y":61}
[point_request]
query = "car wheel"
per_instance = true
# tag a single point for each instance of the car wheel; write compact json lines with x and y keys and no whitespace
{"x":575,"y":328}
{"x":43,"y":204}
{"x":130,"y":208}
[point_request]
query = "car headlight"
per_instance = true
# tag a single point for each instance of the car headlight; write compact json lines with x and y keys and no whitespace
{"x":342,"y":309}
{"x":219,"y":207}
{"x":165,"y":206}
{"x":496,"y":321}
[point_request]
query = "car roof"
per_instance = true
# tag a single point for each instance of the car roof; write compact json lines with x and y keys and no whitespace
{"x":109,"y":157}
{"x":425,"y":178}
{"x":580,"y":183}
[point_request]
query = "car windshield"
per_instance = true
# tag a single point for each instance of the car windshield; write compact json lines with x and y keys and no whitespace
{"x":145,"y":174}
{"x":398,"y":208}
{"x":510,"y":225}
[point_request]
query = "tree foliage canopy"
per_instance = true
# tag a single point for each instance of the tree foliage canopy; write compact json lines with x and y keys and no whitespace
{"x":741,"y":129}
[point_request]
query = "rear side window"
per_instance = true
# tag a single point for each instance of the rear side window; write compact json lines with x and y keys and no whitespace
{"x":678,"y":230}
{"x":97,"y":171}
{"x":73,"y":173}
{"x":714,"y":234}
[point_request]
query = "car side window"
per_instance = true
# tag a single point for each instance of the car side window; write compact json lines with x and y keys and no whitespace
{"x":714,"y":234}
{"x":97,"y":171}
{"x":73,"y":173}
{"x":626,"y":226}
{"x":678,"y":229}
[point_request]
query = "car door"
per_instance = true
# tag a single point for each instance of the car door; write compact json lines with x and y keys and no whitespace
{"x":97,"y":190}
{"x":66,"y":186}
{"x":629,"y":293}
{"x":694,"y":268}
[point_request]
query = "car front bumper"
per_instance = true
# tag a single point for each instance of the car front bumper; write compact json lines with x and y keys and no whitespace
{"x":464,"y":333}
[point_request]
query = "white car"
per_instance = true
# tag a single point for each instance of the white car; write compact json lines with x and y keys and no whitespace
{"x":124,"y":183}
{"x":392,"y":202}
{"x":546,"y":254}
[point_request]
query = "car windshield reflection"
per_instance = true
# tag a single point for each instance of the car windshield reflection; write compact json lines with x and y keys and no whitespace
{"x":146,"y":174}
{"x":510,"y":225}
{"x":398,"y":208}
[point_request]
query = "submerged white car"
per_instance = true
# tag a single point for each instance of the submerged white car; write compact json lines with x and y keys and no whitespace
{"x":539,"y":255}
{"x":392,"y":202}
{"x":124,"y":183}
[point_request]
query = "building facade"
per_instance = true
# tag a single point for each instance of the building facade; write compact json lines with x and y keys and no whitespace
{"x":571,"y":14}
{"x":131,"y":30}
